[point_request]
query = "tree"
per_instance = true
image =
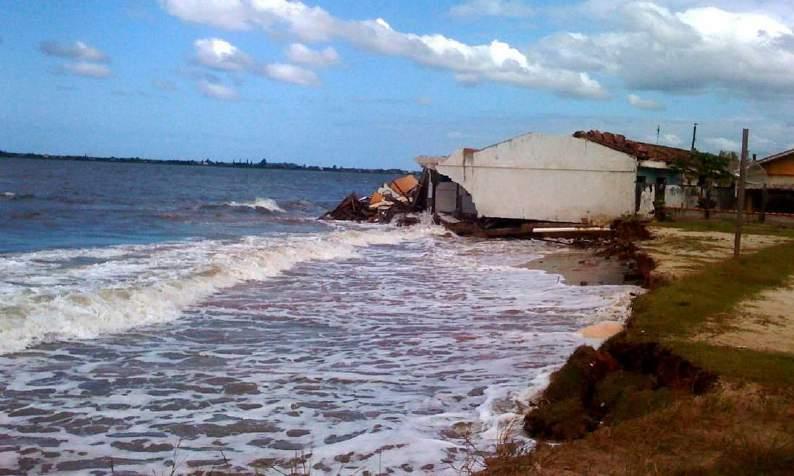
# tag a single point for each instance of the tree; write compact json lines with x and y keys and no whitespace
{"x":707,"y":169}
{"x":704,"y":167}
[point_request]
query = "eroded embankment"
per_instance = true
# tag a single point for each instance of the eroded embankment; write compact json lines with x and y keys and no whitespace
{"x":658,"y":398}
{"x":621,"y":380}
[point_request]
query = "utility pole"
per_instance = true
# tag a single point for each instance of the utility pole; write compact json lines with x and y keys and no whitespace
{"x":658,"y":132}
{"x":737,"y":240}
{"x":694,"y":135}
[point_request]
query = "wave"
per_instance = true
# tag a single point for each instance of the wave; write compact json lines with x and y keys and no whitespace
{"x":15,"y":196}
{"x":267,"y":204}
{"x":47,"y":298}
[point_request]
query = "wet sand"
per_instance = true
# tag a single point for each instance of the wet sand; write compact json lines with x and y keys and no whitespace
{"x":580,"y":267}
{"x":583,"y":268}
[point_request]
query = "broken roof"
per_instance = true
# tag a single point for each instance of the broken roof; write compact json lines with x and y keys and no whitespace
{"x":640,"y":150}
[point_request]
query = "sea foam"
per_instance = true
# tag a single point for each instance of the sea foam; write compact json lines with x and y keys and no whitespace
{"x":66,"y":294}
{"x":267,"y":204}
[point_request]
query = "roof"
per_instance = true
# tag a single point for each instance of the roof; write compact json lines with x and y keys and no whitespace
{"x":779,"y":155}
{"x":640,"y":150}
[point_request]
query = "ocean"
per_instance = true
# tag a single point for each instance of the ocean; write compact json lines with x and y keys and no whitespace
{"x":160,"y":315}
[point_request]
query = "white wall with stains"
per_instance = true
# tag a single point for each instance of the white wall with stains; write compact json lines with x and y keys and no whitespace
{"x":545,"y":177}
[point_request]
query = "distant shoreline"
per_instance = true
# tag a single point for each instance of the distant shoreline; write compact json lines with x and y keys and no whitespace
{"x":263,"y":164}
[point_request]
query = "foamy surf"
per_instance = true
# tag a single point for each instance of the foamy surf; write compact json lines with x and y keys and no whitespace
{"x":365,"y":357}
{"x":81,"y":294}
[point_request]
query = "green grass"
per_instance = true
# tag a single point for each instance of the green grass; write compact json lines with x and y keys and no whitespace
{"x":680,"y":309}
{"x":729,"y":226}
{"x":773,"y":369}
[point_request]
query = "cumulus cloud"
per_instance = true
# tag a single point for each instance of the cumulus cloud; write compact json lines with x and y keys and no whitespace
{"x":88,"y":70}
{"x":647,"y":104}
{"x":221,"y":55}
{"x":289,"y":73}
{"x":216,"y":90}
{"x":77,"y":50}
{"x":652,"y":47}
{"x":86,"y":61}
{"x":491,"y":8}
{"x":496,"y":61}
{"x":722,"y":143}
{"x":301,"y":54}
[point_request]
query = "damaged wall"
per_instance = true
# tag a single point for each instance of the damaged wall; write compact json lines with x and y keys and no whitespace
{"x":540,"y":177}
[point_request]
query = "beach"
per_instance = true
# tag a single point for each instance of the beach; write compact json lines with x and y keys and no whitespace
{"x":261,"y":335}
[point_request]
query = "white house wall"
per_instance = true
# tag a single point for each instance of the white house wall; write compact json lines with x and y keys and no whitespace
{"x":540,"y":177}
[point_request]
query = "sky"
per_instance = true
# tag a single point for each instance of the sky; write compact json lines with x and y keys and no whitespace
{"x":376,"y":83}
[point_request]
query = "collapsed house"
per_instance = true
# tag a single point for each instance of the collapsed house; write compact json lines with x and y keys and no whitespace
{"x":531,"y":185}
{"x":397,"y":200}
{"x":539,"y":182}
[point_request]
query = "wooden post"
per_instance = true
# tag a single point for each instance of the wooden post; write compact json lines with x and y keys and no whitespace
{"x":764,"y":200}
{"x":737,"y":241}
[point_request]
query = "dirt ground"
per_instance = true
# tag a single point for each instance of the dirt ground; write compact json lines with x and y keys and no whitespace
{"x":678,"y":252}
{"x":764,"y":323}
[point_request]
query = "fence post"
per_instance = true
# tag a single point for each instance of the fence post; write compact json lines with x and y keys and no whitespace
{"x":737,"y":241}
{"x":764,"y":199}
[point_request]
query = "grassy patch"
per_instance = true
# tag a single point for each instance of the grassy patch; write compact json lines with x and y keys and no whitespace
{"x":772,"y":369}
{"x":683,"y":306}
{"x":729,"y":226}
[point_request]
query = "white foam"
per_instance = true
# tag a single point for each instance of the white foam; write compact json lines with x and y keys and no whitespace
{"x":260,"y":203}
{"x":44,"y":298}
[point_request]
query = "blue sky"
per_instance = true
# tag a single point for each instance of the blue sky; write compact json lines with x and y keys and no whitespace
{"x":325,"y":83}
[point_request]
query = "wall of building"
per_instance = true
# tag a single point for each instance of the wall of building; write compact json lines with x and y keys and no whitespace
{"x":447,"y":197}
{"x":783,"y":166}
{"x":652,"y":171}
{"x":540,"y":177}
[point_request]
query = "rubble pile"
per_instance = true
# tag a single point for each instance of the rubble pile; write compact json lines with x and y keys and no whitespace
{"x":394,"y":201}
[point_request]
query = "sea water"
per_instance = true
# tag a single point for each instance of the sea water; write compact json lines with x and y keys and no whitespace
{"x":154,"y":316}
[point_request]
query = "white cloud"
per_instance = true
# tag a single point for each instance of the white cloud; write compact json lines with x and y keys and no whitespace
{"x":289,"y":73}
{"x":220,"y":55}
{"x":301,"y":54}
{"x":216,"y":90}
{"x":496,"y":61}
{"x":722,"y":143}
{"x":493,"y":8}
{"x":647,"y":104}
{"x":671,"y":139}
{"x":652,"y":47}
{"x":88,"y":70}
{"x":77,"y":50}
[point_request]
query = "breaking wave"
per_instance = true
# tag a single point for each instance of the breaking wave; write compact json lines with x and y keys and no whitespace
{"x":14,"y":196}
{"x":267,"y":204}
{"x":67,"y":294}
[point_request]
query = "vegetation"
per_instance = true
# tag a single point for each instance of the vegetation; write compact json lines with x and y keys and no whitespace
{"x":247,"y":164}
{"x":704,"y":167}
{"x":728,"y":226}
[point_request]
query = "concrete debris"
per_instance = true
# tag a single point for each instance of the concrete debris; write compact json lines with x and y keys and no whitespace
{"x":397,"y":200}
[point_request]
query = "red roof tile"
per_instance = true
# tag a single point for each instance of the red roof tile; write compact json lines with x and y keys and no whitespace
{"x":640,"y":150}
